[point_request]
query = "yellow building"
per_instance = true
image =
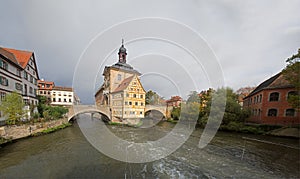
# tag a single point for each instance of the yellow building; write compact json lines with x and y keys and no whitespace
{"x":122,"y":90}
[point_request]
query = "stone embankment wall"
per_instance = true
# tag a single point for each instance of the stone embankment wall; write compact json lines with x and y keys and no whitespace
{"x":25,"y":130}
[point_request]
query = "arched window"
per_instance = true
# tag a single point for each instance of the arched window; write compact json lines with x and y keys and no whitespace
{"x":272,"y":112}
{"x":274,"y":96}
{"x":260,"y":98}
{"x":290,"y":112}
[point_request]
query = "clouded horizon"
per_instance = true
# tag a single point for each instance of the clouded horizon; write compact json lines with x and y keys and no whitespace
{"x":251,"y":39}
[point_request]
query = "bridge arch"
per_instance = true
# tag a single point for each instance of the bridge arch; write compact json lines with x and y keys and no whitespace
{"x":160,"y":109}
{"x":76,"y":110}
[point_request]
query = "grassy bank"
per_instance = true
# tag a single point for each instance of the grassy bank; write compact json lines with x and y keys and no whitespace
{"x":53,"y":129}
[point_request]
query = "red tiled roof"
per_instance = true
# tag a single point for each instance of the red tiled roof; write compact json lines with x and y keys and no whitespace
{"x":124,"y":84}
{"x":60,"y":88}
{"x":174,"y":99}
{"x":23,"y":57}
{"x":10,"y":56}
{"x":276,"y":81}
{"x":46,"y":82}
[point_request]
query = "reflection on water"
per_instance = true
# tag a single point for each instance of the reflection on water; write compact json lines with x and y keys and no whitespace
{"x":67,"y":154}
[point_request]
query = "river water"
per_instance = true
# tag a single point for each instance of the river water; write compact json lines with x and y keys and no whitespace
{"x":67,"y":154}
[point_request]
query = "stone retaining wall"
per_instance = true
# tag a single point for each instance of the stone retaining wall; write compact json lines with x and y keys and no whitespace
{"x":25,"y":130}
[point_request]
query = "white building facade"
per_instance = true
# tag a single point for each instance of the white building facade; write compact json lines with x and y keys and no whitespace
{"x":62,"y":96}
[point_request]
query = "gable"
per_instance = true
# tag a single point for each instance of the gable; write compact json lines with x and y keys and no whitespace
{"x":135,"y":84}
{"x":23,"y":57}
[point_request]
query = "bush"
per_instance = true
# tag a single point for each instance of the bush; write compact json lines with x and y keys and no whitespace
{"x":55,"y":112}
{"x":36,"y":115}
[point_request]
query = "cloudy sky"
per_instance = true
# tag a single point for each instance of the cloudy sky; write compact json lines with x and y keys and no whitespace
{"x":73,"y":40}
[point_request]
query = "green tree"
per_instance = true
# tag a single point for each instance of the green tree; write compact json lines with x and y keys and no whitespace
{"x":153,"y":98}
{"x":175,"y":114}
{"x":193,"y":97}
{"x":233,"y":111}
{"x":292,"y":74}
{"x":42,"y":105}
{"x":12,"y":107}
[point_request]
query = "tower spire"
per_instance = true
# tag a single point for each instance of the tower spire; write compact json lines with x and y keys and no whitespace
{"x":122,"y":53}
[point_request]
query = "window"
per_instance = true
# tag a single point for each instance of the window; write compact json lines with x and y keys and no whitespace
{"x":254,"y":101}
{"x":30,"y":90}
{"x":18,"y":86}
{"x":47,"y":85}
{"x":142,"y":104}
{"x":132,"y":112}
{"x":70,"y":100}
{"x":130,"y":103}
{"x":126,"y":102}
{"x":2,"y":96}
{"x":34,"y":91}
{"x":127,"y":95}
{"x":290,"y":112}
{"x":59,"y":100}
{"x":272,"y":112}
{"x":4,"y":81}
{"x":136,"y":103}
{"x":26,"y":76}
{"x":134,"y":95}
{"x":3,"y":65}
{"x":274,"y":96}
{"x":41,"y":92}
{"x":26,"y":101}
{"x":31,"y":79}
{"x":18,"y":72}
{"x":119,"y":77}
{"x":25,"y":89}
{"x":48,"y":92}
{"x":65,"y":100}
{"x":141,"y":113}
{"x":260,"y":98}
{"x":54,"y":100}
{"x":141,"y":96}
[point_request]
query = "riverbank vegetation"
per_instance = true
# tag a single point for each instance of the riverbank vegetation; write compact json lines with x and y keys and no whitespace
{"x":213,"y":104}
{"x":13,"y":107}
{"x":52,"y":129}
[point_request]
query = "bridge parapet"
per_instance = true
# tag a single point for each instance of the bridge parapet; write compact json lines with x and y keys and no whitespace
{"x":160,"y":108}
{"x":79,"y":109}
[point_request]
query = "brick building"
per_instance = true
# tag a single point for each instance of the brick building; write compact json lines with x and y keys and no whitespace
{"x":45,"y":88}
{"x":175,"y":101}
{"x":268,"y":103}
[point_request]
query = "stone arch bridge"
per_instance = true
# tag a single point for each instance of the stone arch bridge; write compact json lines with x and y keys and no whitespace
{"x":161,"y":108}
{"x":80,"y":109}
{"x":104,"y":110}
